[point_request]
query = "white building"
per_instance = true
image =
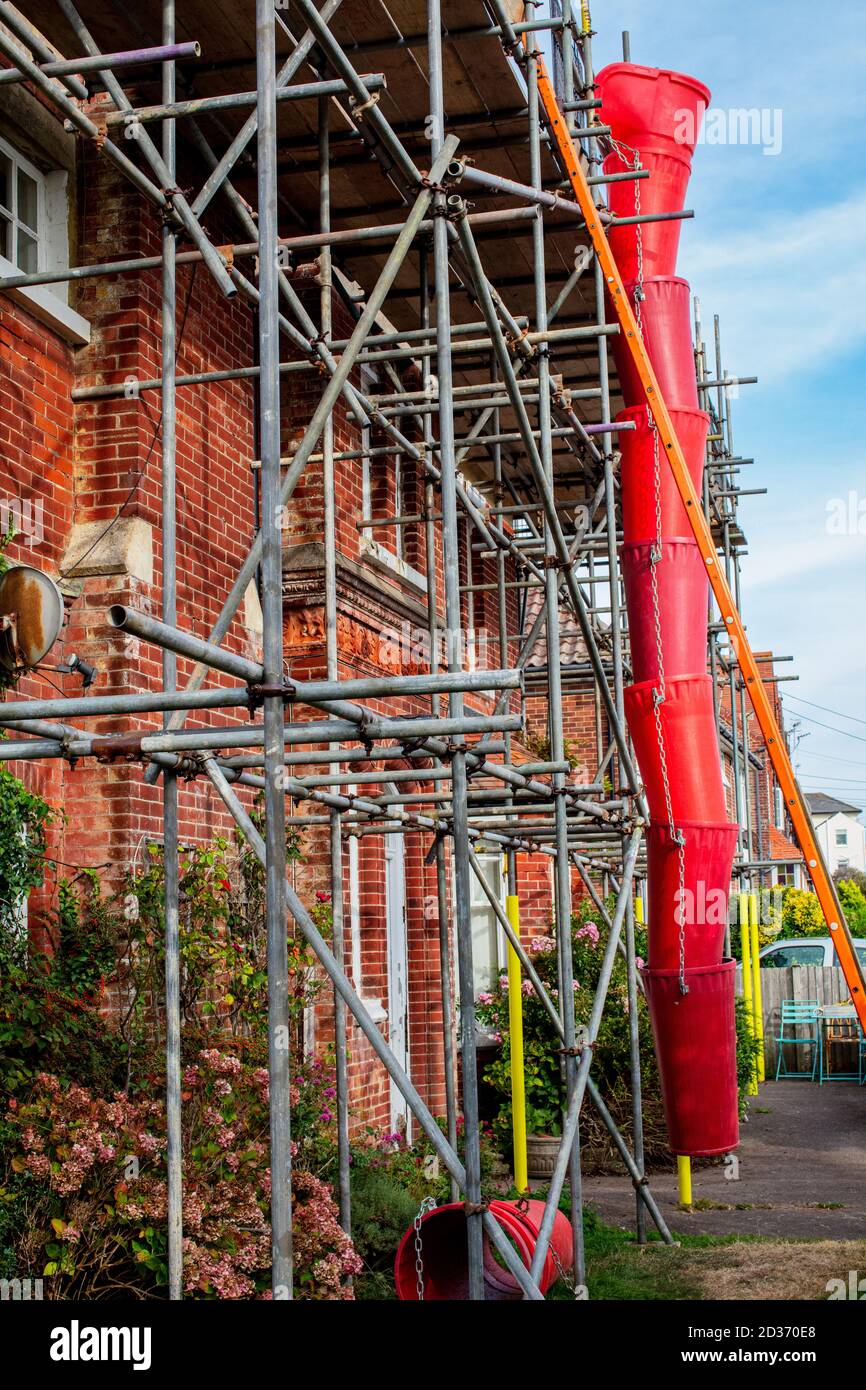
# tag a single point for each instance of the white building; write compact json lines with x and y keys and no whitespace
{"x":840,"y":834}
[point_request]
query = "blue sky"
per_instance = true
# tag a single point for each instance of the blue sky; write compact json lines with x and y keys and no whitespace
{"x":778,"y":250}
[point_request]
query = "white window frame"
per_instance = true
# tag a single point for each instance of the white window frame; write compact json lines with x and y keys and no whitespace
{"x":478,"y":899}
{"x":39,"y":233}
{"x":45,"y":302}
{"x":374,"y":1006}
{"x":377,"y":554}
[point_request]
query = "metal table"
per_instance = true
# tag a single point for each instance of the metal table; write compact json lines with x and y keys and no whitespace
{"x":837,"y":1013}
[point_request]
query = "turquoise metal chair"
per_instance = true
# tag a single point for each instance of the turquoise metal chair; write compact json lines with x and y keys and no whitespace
{"x":800,"y":1014}
{"x":861,"y":1058}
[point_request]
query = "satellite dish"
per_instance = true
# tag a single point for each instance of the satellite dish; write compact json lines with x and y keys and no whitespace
{"x":31,"y":616}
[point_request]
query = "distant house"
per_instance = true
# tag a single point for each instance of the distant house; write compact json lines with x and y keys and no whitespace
{"x":840,"y":833}
{"x":753,"y":793}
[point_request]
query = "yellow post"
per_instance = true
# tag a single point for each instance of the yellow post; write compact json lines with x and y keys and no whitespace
{"x":515,"y":1031}
{"x":745,"y":946}
{"x":684,"y":1179}
{"x":757,"y":1002}
{"x":638,"y":910}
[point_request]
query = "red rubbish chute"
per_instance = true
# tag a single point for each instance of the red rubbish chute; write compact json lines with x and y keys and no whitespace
{"x":665,"y":312}
{"x":694,"y":1034}
{"x":683,"y":600}
{"x":637,"y":473}
{"x":688,"y":726}
{"x":656,"y":116}
{"x":444,"y":1260}
{"x":709,"y":855}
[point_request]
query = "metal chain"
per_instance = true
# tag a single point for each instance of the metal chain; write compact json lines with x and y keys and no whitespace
{"x":624,"y":151}
{"x":563,"y":1275}
{"x":660,"y":691}
{"x":428,"y":1205}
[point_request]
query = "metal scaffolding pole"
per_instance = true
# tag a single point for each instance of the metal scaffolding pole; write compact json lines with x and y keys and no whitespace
{"x":562,"y":879}
{"x":279,"y":1061}
{"x":455,"y":655}
{"x":332,"y":668}
{"x":174,"y":1154}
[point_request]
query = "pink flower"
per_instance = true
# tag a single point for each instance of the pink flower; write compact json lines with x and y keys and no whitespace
{"x":540,"y":945}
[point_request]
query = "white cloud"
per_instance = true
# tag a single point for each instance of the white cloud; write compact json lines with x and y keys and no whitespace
{"x":785,"y":301}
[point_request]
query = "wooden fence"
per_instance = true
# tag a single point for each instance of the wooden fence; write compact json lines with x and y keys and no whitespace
{"x":826,"y":983}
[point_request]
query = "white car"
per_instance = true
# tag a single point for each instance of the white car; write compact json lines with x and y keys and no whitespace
{"x":806,"y":950}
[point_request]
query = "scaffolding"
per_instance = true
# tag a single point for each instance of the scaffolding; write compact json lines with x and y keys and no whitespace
{"x":514,"y":430}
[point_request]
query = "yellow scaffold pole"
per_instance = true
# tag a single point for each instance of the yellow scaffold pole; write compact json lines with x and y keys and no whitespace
{"x":684,"y":1179}
{"x":757,"y":1002}
{"x":515,"y":1032}
{"x":748,"y":992}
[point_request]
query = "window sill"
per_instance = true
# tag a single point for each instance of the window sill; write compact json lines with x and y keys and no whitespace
{"x":39,"y":301}
{"x":384,"y":559}
{"x":375,"y":1009}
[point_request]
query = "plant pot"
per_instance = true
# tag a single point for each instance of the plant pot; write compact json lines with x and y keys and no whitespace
{"x":541,"y":1152}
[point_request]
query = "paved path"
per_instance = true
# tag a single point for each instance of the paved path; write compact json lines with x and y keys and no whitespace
{"x":802,"y":1171}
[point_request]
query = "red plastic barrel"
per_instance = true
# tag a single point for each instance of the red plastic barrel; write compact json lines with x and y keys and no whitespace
{"x":683,"y":597}
{"x":708,"y":859}
{"x":637,"y":473}
{"x":695,"y":1045}
{"x":443,"y":1253}
{"x":667,"y":333}
{"x":689,"y":732}
{"x":658,"y":114}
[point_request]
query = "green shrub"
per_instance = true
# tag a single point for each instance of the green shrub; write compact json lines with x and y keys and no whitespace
{"x":748,"y":1049}
{"x":801,"y":914}
{"x":853,"y":902}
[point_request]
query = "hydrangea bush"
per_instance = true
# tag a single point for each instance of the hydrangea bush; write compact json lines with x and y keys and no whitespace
{"x":90,"y":1173}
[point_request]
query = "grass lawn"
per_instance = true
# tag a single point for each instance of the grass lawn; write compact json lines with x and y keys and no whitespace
{"x":710,"y":1267}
